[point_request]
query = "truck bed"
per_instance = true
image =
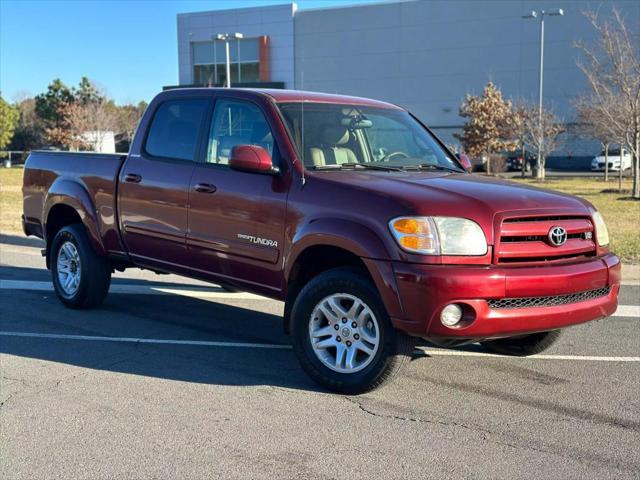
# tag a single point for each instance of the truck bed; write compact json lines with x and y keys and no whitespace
{"x":83,"y":177}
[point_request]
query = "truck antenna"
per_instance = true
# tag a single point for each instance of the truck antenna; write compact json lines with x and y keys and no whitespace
{"x":304,"y":180}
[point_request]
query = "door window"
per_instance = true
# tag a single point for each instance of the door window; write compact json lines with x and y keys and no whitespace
{"x":174,"y":130}
{"x":237,"y":123}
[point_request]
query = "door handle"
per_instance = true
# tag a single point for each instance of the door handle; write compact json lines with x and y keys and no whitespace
{"x":132,"y":178}
{"x":205,"y":188}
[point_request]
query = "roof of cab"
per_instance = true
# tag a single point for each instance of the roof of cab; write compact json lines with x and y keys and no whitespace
{"x":286,"y":96}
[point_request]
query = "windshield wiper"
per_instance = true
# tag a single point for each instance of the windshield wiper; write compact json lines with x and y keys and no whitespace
{"x":432,"y":166}
{"x":364,"y":166}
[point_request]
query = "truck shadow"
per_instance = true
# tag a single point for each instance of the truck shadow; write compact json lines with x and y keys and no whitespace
{"x":163,"y":317}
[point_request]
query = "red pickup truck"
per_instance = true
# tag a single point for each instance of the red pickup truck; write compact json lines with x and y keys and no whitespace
{"x":347,"y":209}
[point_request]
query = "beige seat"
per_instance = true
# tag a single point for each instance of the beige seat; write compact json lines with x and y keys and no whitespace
{"x":330,"y":151}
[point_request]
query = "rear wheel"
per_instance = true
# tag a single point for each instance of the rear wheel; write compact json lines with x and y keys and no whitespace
{"x":343,"y":336}
{"x":524,"y":345}
{"x":81,"y":278}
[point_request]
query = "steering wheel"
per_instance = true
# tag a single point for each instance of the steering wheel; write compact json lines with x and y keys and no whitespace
{"x":389,"y":156}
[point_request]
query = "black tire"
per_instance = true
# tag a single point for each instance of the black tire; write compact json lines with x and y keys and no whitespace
{"x":394,"y":348}
{"x":522,"y":346}
{"x":95,"y":271}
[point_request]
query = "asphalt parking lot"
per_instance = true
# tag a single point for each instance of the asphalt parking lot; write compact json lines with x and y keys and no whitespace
{"x":175,"y":379}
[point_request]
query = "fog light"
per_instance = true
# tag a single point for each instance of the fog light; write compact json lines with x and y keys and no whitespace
{"x":451,"y":314}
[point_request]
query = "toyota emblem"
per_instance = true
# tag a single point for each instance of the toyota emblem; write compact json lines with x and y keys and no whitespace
{"x":557,"y":236}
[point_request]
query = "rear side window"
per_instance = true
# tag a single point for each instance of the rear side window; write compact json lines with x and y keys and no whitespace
{"x":175,"y":128}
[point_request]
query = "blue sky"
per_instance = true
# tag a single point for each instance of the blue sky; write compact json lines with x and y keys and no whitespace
{"x":128,"y":47}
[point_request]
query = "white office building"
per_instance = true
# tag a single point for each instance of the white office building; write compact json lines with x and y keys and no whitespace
{"x":424,"y":54}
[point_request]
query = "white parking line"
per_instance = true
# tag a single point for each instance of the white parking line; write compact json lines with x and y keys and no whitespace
{"x":276,"y":346}
{"x":131,"y":289}
{"x":628,"y":311}
{"x":584,"y":358}
{"x":159,"y":341}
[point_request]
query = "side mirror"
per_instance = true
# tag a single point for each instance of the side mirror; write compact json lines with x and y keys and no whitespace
{"x":465,"y":162}
{"x":252,"y":159}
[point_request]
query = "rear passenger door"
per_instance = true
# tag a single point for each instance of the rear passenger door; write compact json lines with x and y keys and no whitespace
{"x":154,"y":185}
{"x":236,"y":219}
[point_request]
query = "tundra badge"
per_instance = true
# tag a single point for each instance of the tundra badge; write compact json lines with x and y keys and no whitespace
{"x":260,"y":241}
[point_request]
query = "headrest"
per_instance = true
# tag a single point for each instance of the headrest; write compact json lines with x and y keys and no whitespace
{"x":334,"y":135}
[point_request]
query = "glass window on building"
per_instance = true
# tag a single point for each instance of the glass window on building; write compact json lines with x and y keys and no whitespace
{"x":209,"y":62}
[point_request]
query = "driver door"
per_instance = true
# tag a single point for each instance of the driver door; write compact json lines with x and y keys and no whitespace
{"x":236,"y":219}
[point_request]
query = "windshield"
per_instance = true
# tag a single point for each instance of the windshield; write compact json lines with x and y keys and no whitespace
{"x":338,"y":135}
{"x":613,"y":152}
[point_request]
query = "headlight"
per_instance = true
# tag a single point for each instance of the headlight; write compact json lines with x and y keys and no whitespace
{"x":602,"y":234}
{"x":439,"y":235}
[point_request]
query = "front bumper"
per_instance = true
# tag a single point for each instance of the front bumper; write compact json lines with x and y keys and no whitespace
{"x":600,"y":167}
{"x":424,"y":290}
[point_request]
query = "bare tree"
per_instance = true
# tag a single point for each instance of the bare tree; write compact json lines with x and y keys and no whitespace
{"x":612,"y":69}
{"x":83,"y":125}
{"x":621,"y":170}
{"x":592,"y":124}
{"x":530,"y":129}
{"x":518,"y":131}
{"x":93,"y":121}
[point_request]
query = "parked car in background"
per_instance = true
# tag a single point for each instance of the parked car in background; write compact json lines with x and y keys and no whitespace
{"x":515,"y":160}
{"x":479,"y":164}
{"x":617,"y":157}
{"x":347,"y":209}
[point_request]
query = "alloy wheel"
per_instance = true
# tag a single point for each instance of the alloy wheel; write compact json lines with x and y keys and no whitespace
{"x":344,"y":333}
{"x":68,"y":268}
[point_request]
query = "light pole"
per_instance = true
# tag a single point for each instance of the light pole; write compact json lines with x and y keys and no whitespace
{"x":225,"y":37}
{"x":556,"y":12}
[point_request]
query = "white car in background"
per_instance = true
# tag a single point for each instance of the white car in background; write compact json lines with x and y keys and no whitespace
{"x":616,"y":157}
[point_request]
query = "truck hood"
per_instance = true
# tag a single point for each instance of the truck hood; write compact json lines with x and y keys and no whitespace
{"x":461,"y":195}
{"x":435,"y":190}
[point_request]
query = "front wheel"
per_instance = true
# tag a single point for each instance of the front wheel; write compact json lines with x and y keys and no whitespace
{"x":81,"y":278}
{"x":342,"y":334}
{"x":524,"y":345}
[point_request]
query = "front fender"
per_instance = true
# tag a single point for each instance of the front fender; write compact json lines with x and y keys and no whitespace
{"x":65,"y":191}
{"x":346,"y":234}
{"x":357,"y":239}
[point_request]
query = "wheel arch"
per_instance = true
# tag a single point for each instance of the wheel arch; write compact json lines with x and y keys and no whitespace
{"x":348,"y":235}
{"x":69,"y":202}
{"x":333,"y":243}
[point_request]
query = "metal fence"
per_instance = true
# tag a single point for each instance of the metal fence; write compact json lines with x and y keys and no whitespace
{"x":10,"y":158}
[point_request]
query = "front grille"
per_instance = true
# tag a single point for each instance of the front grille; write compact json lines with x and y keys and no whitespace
{"x":554,"y":258}
{"x":526,"y":239}
{"x":548,"y":301}
{"x":555,"y":218}
{"x":543,"y":238}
